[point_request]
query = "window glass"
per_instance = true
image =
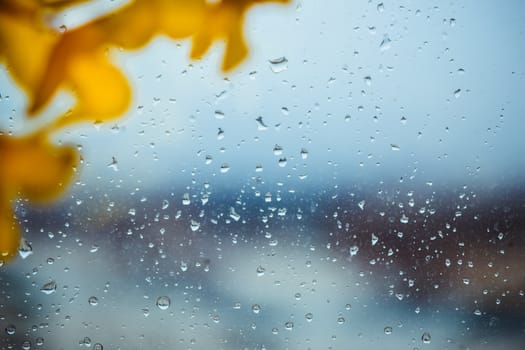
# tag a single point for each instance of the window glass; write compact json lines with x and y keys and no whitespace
{"x":355,"y":181}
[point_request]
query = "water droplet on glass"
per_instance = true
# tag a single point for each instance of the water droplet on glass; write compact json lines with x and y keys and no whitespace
{"x":234,"y":215}
{"x":477,"y":312}
{"x":385,"y":43}
{"x":279,"y":64}
{"x":425,"y":338}
{"x":256,"y":308}
{"x":380,"y":7}
{"x":260,"y":270}
{"x":165,"y":204}
{"x":260,"y":124}
{"x":304,"y":153}
{"x":219,"y":115}
{"x":25,"y":248}
{"x":194,"y":225}
{"x":49,"y":288}
{"x":457,"y":93}
{"x":340,"y":320}
{"x":224,"y":168}
{"x":368,"y":80}
{"x":288,"y":326}
{"x":375,"y":239}
{"x":163,"y":302}
{"x":220,"y":134}
{"x":93,"y":301}
{"x":361,"y":205}
{"x":39,"y":341}
{"x":388,"y":330}
{"x":277,"y":150}
{"x":282,"y":162}
{"x":353,"y":250}
{"x":309,"y":317}
{"x":85,"y":342}
{"x":26,"y":345}
{"x":186,"y":199}
{"x":394,"y":147}
{"x":114,"y":164}
{"x":98,"y":346}
{"x":10,"y":329}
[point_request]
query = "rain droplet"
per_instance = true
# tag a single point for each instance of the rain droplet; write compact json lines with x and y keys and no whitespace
{"x":98,"y":346}
{"x":234,"y":215}
{"x":375,"y":239}
{"x":85,"y":342}
{"x":309,"y":317}
{"x":361,"y":205}
{"x":426,"y":338}
{"x":260,"y":270}
{"x":114,"y":164}
{"x":279,"y":64}
{"x":256,"y":308}
{"x":282,"y":162}
{"x":368,"y":80}
{"x":219,"y":115}
{"x":277,"y":150}
{"x":394,"y":147}
{"x":260,"y":124}
{"x":380,"y":7}
{"x":194,"y":225}
{"x":10,"y":329}
{"x":93,"y":301}
{"x":385,"y":43}
{"x":353,"y":250}
{"x":220,"y":134}
{"x":163,"y":302}
{"x":165,"y":204}
{"x":186,"y":199}
{"x":224,"y":168}
{"x":26,"y":345}
{"x":25,"y":248}
{"x":288,"y":326}
{"x":49,"y":288}
{"x":340,"y":320}
{"x":457,"y":93}
{"x":304,"y":153}
{"x":388,"y":330}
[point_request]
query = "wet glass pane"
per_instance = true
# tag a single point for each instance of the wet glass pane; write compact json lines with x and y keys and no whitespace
{"x":356,"y":181}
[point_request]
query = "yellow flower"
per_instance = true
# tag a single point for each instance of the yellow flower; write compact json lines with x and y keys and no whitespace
{"x":30,"y":167}
{"x":43,"y":60}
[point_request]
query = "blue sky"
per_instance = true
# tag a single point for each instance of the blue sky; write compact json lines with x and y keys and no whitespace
{"x":441,"y":100}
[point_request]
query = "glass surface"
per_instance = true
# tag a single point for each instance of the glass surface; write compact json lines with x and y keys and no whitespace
{"x":356,"y":183}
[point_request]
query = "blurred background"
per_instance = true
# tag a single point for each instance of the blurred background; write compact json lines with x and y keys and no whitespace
{"x":357,"y":183}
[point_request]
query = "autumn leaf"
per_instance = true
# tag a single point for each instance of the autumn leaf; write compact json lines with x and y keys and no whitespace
{"x":30,"y":167}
